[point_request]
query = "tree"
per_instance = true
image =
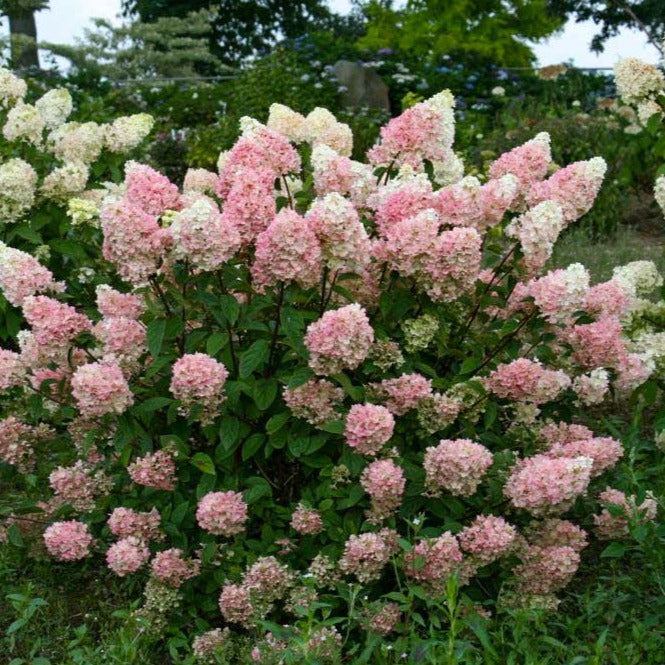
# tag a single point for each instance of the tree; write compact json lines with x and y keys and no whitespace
{"x":169,"y":47}
{"x":491,"y":29}
{"x":23,"y":30}
{"x":242,"y":29}
{"x":612,"y":15}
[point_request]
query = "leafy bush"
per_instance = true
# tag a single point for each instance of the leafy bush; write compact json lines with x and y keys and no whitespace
{"x":334,"y":400}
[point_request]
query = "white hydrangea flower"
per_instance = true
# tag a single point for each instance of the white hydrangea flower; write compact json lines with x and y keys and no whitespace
{"x":24,"y":122}
{"x":639,"y":278}
{"x":12,"y":88}
{"x":76,"y":141}
{"x":127,"y":132}
{"x":636,"y":80}
{"x":55,"y":107}
{"x":65,"y":181}
{"x":321,"y":127}
{"x":18,"y":182}
{"x":659,"y":192}
{"x":287,"y":122}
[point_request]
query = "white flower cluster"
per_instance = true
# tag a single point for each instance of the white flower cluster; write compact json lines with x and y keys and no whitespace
{"x":83,"y":211}
{"x":54,"y":107}
{"x":639,"y":278}
{"x":65,"y":181}
{"x":12,"y":88}
{"x":75,"y":141}
{"x":537,"y":230}
{"x":126,"y":133}
{"x":18,"y":182}
{"x":322,"y":127}
{"x":659,"y":192}
{"x":637,"y":80}
{"x":24,"y":122}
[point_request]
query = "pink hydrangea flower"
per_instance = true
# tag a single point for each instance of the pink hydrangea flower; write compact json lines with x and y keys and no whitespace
{"x":345,"y":244}
{"x":267,"y":579}
{"x":604,"y":451}
{"x":340,"y":339}
{"x":112,"y":303}
{"x":123,"y":338}
{"x":68,"y":541}
{"x":529,"y":162}
{"x":133,"y":240}
{"x":127,"y":556}
{"x":608,"y":299}
{"x":16,"y":444}
{"x":384,"y":481}
{"x":527,"y":380}
{"x":554,"y":532}
{"x":574,"y":188}
{"x":424,"y":131}
{"x":487,"y":538}
{"x":432,"y":561}
{"x":250,"y":204}
{"x":222,"y":513}
{"x":366,"y":555}
{"x":306,"y":521}
{"x":21,"y":276}
{"x":314,"y":401}
{"x":368,"y":427}
{"x":199,"y":379}
{"x":100,"y":389}
{"x":546,"y":569}
{"x":400,"y":199}
{"x":598,"y":344}
{"x":12,"y":370}
{"x":560,"y":293}
{"x":79,"y":486}
{"x":558,"y":434}
{"x":287,"y":251}
{"x":546,"y":485}
{"x":156,"y":470}
{"x":235,"y":604}
{"x":124,"y":522}
{"x":153,"y":192}
{"x":456,"y":465}
{"x":203,"y":236}
{"x":53,"y":323}
{"x":616,"y":527}
{"x":172,"y":568}
{"x":403,"y":393}
{"x":385,"y":620}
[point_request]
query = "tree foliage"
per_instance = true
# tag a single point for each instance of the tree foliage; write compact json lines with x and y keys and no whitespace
{"x":241,"y":29}
{"x":491,"y":29}
{"x":168,"y":47}
{"x":612,"y":15}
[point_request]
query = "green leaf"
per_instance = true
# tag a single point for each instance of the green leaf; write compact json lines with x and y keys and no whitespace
{"x":334,"y":427}
{"x":155,"y":336}
{"x":70,"y":248}
{"x":252,"y":445}
{"x":14,"y":536}
{"x":354,"y":392}
{"x":614,"y":551}
{"x":216,"y":342}
{"x":264,"y":393}
{"x":258,"y":488}
{"x":229,"y":430}
{"x":203,"y":463}
{"x":277,"y":421}
{"x":254,"y":357}
{"x":179,"y":512}
{"x":230,"y":308}
{"x":152,"y":404}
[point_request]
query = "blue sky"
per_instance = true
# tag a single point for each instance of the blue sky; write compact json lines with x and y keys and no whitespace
{"x":67,"y":19}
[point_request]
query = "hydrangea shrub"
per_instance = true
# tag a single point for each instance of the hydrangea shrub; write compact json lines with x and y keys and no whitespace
{"x":307,"y":387}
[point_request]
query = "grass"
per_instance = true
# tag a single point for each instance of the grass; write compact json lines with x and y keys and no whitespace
{"x":600,"y":257}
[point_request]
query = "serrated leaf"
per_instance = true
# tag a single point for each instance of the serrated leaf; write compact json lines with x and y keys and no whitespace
{"x":333,"y":426}
{"x":203,"y":463}
{"x":614,"y":551}
{"x":259,"y":487}
{"x":155,"y":336}
{"x":230,"y":308}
